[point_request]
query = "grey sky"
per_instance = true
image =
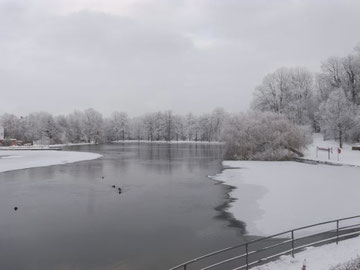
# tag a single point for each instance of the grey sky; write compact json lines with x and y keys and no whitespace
{"x":140,"y":56}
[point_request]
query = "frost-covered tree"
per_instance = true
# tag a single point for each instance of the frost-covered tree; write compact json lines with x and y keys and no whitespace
{"x":150,"y":122}
{"x":217,"y":122}
{"x":42,"y":126}
{"x":63,"y":126}
{"x":351,"y":77}
{"x":205,"y":127}
{"x":32,"y":127}
{"x":75,"y":132}
{"x":137,"y":130}
{"x":287,"y":91}
{"x":11,"y":125}
{"x":263,"y":136}
{"x":89,"y":126}
{"x":272,"y":95}
{"x":117,"y":126}
{"x":180,"y":128}
{"x":299,"y":106}
{"x":341,"y":73}
{"x":93,"y":126}
{"x":338,"y":115}
{"x":169,"y":126}
{"x":50,"y":129}
{"x":191,"y":127}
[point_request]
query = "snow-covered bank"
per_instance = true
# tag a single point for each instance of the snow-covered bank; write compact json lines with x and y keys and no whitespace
{"x":29,"y":147}
{"x":272,"y":197}
{"x":319,"y":258}
{"x":71,"y":144}
{"x":347,"y":156}
{"x":22,"y":159}
{"x":171,"y":142}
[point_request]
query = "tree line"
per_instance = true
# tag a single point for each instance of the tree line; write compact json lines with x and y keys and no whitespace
{"x":288,"y":105}
{"x":91,"y":126}
{"x":327,"y":101}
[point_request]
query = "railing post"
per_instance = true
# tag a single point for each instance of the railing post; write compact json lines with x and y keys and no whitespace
{"x":337,"y":232}
{"x":184,"y":266}
{"x":292,"y":244}
{"x":247,"y":255}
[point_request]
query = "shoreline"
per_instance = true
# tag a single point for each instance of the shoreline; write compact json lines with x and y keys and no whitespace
{"x":171,"y":142}
{"x":24,"y":159}
{"x":224,"y":207}
{"x":265,"y":192}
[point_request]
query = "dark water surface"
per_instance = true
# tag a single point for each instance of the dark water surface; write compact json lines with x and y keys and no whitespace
{"x":71,"y":218}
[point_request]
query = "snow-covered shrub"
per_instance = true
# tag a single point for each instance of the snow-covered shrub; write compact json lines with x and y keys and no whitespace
{"x":351,"y":265}
{"x":264,"y":136}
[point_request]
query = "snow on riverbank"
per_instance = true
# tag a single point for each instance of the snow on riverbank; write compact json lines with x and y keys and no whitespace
{"x":72,"y":144}
{"x":319,"y":258}
{"x":347,"y":156}
{"x":23,"y":159}
{"x":171,"y":142}
{"x":272,"y":197}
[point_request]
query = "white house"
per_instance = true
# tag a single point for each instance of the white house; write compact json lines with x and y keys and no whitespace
{"x":1,"y":133}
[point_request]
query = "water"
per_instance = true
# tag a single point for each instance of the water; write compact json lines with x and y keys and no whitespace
{"x":69,"y":217}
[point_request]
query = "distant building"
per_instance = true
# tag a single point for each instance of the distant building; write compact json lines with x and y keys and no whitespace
{"x":1,"y":133}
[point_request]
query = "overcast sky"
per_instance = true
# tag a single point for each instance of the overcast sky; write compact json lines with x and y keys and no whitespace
{"x":148,"y":55}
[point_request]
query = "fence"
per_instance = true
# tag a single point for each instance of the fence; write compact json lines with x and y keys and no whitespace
{"x":259,"y":251}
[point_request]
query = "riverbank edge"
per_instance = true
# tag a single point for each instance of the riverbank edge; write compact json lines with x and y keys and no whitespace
{"x":283,"y":262}
{"x":171,"y":142}
{"x":314,"y":161}
{"x":225,"y":205}
{"x":24,"y":159}
{"x":223,"y":208}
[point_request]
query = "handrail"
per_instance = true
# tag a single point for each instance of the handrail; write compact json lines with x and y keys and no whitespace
{"x":334,"y":236}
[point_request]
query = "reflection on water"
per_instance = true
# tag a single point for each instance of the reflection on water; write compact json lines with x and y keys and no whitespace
{"x":69,"y":217}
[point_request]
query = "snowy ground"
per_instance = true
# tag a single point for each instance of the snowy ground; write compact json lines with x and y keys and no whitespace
{"x":171,"y":142}
{"x":28,"y":147}
{"x":347,"y":156}
{"x":320,"y":258}
{"x":71,"y":144}
{"x":41,"y":146}
{"x":272,"y":197}
{"x":276,"y":196}
{"x":23,"y":159}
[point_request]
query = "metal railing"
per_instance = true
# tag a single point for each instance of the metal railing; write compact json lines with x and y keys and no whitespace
{"x":259,"y":251}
